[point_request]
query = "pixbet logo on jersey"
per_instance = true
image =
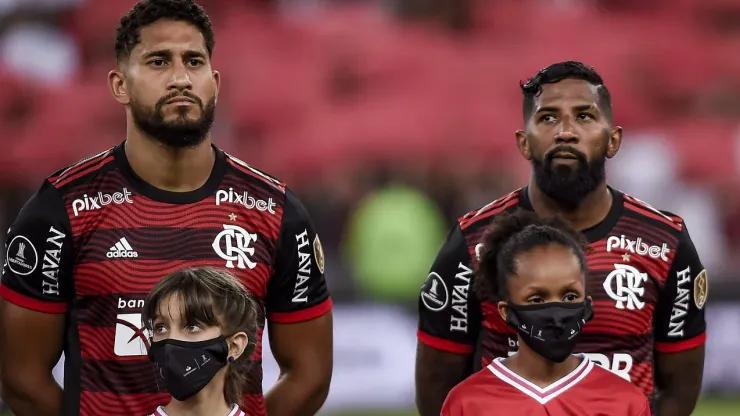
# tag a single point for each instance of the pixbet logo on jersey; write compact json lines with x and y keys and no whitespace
{"x":637,"y":247}
{"x":91,"y":203}
{"x":246,"y":200}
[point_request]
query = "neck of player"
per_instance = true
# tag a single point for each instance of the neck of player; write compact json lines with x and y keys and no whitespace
{"x":591,"y":211}
{"x":208,"y":402}
{"x":167,"y":168}
{"x":537,"y":369}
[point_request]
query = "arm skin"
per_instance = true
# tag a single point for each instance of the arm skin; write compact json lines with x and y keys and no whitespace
{"x":30,"y":346}
{"x":304,"y":352}
{"x":437,"y":372}
{"x":678,"y":379}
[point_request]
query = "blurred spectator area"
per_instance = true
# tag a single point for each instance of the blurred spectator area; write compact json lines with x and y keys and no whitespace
{"x":339,"y":95}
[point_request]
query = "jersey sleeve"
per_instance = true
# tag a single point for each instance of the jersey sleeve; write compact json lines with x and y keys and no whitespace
{"x":297,"y":290}
{"x":449,"y":312}
{"x":679,"y":315}
{"x":39,"y":258}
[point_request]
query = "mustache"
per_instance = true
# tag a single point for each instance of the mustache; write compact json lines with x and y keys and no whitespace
{"x":549,"y":156}
{"x":176,"y":94}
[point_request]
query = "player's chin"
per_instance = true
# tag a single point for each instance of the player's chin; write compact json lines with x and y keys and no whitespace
{"x":187,"y":117}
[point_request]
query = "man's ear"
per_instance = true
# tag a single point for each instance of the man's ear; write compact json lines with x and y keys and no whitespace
{"x":615,"y":142}
{"x":117,"y":85}
{"x":523,"y":144}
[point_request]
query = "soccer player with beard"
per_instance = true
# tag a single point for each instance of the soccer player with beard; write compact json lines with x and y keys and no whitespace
{"x":98,"y":235}
{"x":648,"y":285}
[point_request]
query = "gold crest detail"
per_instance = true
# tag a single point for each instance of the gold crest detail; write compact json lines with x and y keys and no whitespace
{"x":701,"y":287}
{"x":318,"y":253}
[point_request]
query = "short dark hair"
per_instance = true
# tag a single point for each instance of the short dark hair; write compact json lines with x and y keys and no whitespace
{"x":212,"y":297}
{"x":555,"y":73}
{"x":146,"y":12}
{"x":511,"y":235}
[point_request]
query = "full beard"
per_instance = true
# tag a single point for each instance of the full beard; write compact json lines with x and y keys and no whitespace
{"x":182,"y":132}
{"x":566,"y":185}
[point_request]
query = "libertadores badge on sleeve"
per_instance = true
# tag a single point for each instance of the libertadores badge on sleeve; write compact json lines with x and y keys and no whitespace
{"x":701,"y":288}
{"x":318,"y":253}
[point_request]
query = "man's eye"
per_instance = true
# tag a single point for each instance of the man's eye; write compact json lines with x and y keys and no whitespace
{"x":547,"y":118}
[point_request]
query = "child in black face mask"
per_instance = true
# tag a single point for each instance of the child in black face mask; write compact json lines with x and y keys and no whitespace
{"x":203,"y":324}
{"x":536,"y":270}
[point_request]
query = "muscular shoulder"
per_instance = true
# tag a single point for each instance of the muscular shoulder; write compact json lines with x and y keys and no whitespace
{"x":474,"y":223}
{"x":484,"y":214}
{"x":658,"y":219}
{"x":82,"y":171}
{"x":242,"y":171}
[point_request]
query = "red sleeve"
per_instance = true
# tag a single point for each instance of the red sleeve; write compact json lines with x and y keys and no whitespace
{"x":452,"y":406}
{"x":297,"y":291}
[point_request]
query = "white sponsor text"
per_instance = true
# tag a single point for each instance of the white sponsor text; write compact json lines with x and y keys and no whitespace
{"x":304,"y":269}
{"x":91,"y":203}
{"x":459,"y":316}
{"x":638,"y":247}
{"x":52,"y":259}
{"x":680,"y":303}
{"x":244,"y":199}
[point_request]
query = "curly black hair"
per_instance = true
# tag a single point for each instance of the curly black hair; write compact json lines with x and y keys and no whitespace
{"x":560,"y":71}
{"x":511,"y":235}
{"x":146,"y":12}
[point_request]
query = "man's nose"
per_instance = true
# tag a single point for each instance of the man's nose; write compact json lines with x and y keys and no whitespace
{"x":566,"y":136}
{"x":180,"y":79}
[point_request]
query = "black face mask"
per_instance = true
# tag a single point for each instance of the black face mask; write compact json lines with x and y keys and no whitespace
{"x":187,"y":367}
{"x":550,"y":329}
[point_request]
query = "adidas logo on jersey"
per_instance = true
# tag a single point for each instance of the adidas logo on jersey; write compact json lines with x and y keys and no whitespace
{"x":122,"y":249}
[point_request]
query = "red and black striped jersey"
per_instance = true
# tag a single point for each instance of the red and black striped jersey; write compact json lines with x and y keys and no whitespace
{"x":95,"y":239}
{"x":645,"y":277}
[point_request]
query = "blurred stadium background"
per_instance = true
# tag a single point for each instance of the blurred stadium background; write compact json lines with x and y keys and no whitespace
{"x":390,"y":118}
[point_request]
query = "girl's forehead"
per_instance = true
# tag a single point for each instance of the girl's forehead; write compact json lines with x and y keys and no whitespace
{"x":170,"y":308}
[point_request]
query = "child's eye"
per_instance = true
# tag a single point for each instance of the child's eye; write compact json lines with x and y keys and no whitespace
{"x":192,"y":328}
{"x":570,"y":297}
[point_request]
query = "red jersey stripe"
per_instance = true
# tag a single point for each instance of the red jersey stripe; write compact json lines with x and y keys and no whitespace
{"x":688,"y":344}
{"x":30,"y":303}
{"x":82,"y":164}
{"x":97,"y":164}
{"x":650,"y":212}
{"x":245,"y":168}
{"x":303,"y":315}
{"x":488,"y":210}
{"x":443,"y":344}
